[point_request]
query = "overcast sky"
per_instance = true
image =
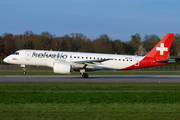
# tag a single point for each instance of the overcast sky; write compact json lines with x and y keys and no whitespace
{"x":119,"y":19}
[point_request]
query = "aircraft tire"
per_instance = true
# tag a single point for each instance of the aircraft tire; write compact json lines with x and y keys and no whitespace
{"x":85,"y":75}
{"x":24,"y":72}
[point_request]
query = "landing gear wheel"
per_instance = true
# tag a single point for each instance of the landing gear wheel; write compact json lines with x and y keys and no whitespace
{"x":24,"y":69}
{"x":85,"y":75}
{"x":24,"y":72}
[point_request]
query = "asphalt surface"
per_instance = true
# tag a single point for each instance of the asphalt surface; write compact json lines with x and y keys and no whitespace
{"x":92,"y":79}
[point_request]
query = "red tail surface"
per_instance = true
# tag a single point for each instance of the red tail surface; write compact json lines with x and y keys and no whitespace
{"x":157,"y":56}
{"x":161,"y":50}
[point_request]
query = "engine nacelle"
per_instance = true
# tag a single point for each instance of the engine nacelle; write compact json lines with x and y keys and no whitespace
{"x":61,"y":67}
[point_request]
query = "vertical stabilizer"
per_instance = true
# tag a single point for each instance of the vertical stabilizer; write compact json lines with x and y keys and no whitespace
{"x":161,"y":50}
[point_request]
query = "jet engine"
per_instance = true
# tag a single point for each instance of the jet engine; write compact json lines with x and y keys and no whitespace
{"x":61,"y":67}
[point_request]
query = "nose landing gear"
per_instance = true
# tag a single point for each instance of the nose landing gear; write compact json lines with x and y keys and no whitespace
{"x":24,"y":69}
{"x":24,"y":72}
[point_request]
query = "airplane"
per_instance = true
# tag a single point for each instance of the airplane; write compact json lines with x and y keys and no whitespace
{"x":64,"y":62}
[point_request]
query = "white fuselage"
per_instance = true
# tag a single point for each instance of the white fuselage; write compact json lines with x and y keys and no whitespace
{"x":47,"y":58}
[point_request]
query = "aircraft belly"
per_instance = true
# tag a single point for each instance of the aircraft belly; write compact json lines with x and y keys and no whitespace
{"x":117,"y":65}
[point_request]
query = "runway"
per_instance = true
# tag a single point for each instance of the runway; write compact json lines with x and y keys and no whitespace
{"x":92,"y":79}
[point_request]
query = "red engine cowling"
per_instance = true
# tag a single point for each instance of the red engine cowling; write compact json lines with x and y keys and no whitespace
{"x":61,"y":67}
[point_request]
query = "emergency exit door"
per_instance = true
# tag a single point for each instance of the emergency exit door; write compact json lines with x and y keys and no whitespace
{"x":137,"y":61}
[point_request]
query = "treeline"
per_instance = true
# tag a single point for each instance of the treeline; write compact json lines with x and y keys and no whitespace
{"x":10,"y":43}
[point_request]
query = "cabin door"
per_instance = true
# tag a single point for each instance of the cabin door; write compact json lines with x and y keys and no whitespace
{"x":28,"y":54}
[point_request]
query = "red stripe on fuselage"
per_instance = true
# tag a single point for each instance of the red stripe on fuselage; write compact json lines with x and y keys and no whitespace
{"x":14,"y":58}
{"x":146,"y":62}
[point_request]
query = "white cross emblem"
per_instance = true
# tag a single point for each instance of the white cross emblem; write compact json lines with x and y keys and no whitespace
{"x":161,"y":49}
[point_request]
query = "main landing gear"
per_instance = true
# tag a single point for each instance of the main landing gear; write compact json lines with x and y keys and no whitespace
{"x":85,"y":75}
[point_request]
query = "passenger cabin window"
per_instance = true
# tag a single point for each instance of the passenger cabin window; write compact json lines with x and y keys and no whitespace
{"x":86,"y":57}
{"x":74,"y":56}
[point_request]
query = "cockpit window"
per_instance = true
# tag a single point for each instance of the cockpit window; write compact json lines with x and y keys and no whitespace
{"x":16,"y":53}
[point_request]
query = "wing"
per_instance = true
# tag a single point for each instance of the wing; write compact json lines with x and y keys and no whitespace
{"x":88,"y":63}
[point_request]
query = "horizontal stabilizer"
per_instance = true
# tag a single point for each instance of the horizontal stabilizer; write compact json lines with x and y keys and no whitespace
{"x":167,"y":61}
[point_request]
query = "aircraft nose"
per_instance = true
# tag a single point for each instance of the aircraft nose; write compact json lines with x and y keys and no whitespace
{"x":6,"y":60}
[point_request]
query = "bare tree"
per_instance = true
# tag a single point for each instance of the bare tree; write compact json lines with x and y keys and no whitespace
{"x":141,"y":50}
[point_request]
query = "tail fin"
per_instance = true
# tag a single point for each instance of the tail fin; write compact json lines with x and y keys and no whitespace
{"x":161,"y":50}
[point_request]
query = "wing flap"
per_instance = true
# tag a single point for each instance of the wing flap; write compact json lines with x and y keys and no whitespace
{"x":88,"y":63}
{"x":91,"y":61}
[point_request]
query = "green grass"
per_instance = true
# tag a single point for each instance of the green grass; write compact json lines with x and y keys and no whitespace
{"x":89,"y":112}
{"x":89,"y":101}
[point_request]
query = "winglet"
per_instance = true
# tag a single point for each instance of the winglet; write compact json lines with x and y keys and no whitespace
{"x":161,"y":50}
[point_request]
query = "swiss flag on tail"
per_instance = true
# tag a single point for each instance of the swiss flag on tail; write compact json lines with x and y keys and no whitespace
{"x":161,"y":50}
